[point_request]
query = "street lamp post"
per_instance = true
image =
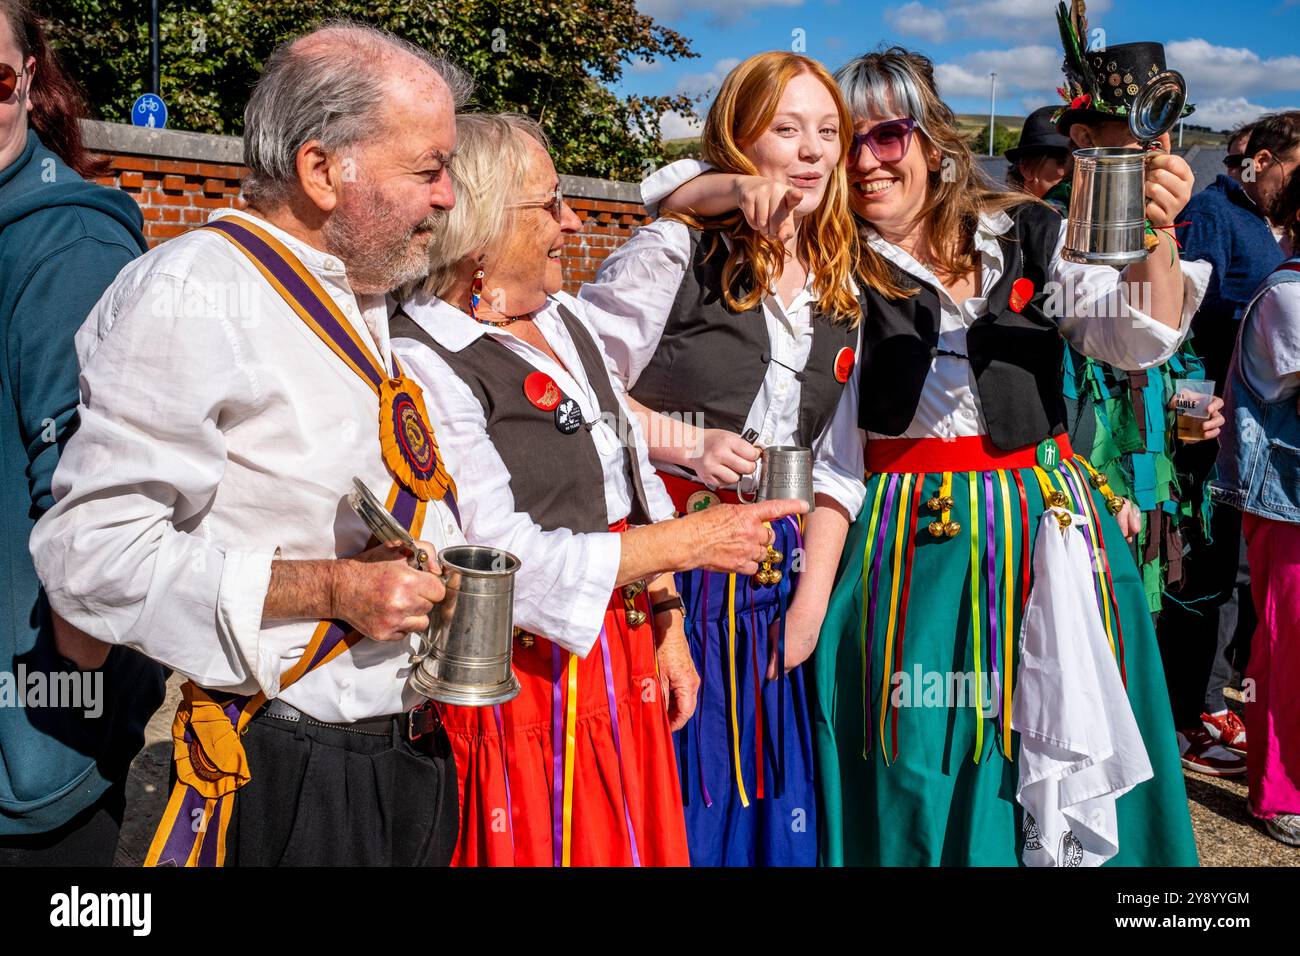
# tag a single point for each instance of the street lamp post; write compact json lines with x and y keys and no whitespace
{"x":155,"y":71}
{"x":993,"y":94}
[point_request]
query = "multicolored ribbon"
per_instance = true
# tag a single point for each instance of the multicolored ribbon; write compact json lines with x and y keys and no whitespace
{"x":618,"y":744}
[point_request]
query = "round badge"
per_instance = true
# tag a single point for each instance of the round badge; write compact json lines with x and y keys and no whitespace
{"x":541,"y":390}
{"x":568,"y":416}
{"x":700,"y":500}
{"x":843,"y":364}
{"x":1022,"y":290}
{"x":1048,"y":453}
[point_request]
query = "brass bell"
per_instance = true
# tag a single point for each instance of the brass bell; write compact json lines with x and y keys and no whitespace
{"x":936,"y":528}
{"x":1063,"y":519}
{"x":764,"y":576}
{"x":952,"y":529}
{"x":1114,"y":504}
{"x":635,"y":617}
{"x":774,"y":576}
{"x":1057,"y":499}
{"x":947,"y":503}
{"x":935,"y":504}
{"x":634,"y":589}
{"x":1097,"y":480}
{"x":774,"y":556}
{"x":525,"y":639}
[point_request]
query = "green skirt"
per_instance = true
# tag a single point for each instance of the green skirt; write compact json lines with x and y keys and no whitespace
{"x":917,"y":763}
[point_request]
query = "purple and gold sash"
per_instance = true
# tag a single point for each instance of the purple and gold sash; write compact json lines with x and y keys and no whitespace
{"x":211,"y":764}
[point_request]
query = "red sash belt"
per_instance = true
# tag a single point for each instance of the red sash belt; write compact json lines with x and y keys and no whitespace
{"x":681,"y":489}
{"x":970,"y":453}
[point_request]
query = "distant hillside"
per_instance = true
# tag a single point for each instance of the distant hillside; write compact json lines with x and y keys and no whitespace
{"x":973,"y":124}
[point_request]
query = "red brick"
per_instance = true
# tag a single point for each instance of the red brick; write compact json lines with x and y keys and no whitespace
{"x":167,"y":199}
{"x":131,"y":180}
{"x":171,"y":214}
{"x":141,"y":163}
{"x":221,"y":171}
{"x":173,"y":183}
{"x":192,"y":215}
{"x":152,"y":213}
{"x":179,"y":167}
{"x":167,"y":231}
{"x":214,"y":202}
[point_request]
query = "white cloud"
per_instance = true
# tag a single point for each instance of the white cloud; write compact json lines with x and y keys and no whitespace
{"x":707,"y":83}
{"x":1224,"y":112}
{"x":917,"y":20}
{"x":937,"y":22}
{"x":1028,"y":69}
{"x":1031,"y":103}
{"x":645,"y":66}
{"x":1231,"y":71}
{"x":674,"y":125}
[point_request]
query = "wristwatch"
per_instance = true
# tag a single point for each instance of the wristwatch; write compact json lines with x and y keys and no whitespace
{"x":673,"y":603}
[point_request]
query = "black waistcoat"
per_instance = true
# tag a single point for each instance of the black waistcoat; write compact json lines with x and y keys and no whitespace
{"x":712,"y":361}
{"x":1015,"y":356}
{"x":556,"y":478}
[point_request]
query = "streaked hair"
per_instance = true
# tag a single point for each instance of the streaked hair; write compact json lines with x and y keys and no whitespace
{"x":492,"y":164}
{"x":900,"y":82}
{"x":827,"y":240}
{"x":327,"y":85}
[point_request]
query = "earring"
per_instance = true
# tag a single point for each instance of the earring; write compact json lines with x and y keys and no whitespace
{"x":475,"y":293}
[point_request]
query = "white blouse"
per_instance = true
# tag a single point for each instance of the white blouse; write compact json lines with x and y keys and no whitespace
{"x":1097,"y":315}
{"x":629,"y":304}
{"x":565,"y":579}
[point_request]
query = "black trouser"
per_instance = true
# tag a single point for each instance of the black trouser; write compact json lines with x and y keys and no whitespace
{"x":88,"y":839}
{"x":1205,"y":625}
{"x":320,"y":796}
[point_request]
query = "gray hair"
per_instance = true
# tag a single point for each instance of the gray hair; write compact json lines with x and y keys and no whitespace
{"x":492,"y":162}
{"x":329,"y":91}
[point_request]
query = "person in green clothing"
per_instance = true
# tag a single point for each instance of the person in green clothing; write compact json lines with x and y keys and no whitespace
{"x":1124,"y":421}
{"x":916,"y":708}
{"x":63,"y":762}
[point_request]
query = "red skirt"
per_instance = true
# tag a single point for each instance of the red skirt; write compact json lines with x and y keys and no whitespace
{"x":610,"y":797}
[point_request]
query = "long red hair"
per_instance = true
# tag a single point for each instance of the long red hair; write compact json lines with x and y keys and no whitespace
{"x":57,"y":104}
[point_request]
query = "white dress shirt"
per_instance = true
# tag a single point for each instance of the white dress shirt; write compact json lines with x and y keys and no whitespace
{"x":629,"y":304}
{"x":565,"y":578}
{"x":218,"y":432}
{"x":1096,"y":315}
{"x":1270,"y":344}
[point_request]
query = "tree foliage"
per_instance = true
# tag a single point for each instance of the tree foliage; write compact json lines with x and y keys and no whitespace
{"x":553,"y":59}
{"x":1004,"y":138}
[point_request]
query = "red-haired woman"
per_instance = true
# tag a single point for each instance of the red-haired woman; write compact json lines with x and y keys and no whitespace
{"x":62,"y":241}
{"x":730,"y":341}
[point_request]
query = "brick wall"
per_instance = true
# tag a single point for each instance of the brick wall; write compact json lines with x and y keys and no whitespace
{"x":178,"y":178}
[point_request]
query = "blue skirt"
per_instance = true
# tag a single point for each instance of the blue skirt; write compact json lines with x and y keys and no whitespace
{"x":746,"y":804}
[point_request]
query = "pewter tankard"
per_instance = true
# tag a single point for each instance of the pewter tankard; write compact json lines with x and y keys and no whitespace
{"x":784,"y":471}
{"x":464,"y":656}
{"x":1108,"y":218}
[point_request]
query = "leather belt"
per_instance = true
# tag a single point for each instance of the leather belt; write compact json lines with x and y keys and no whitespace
{"x":414,"y":723}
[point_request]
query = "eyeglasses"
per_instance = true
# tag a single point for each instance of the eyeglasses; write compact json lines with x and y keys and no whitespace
{"x":8,"y":80}
{"x":554,"y":205}
{"x":888,"y":141}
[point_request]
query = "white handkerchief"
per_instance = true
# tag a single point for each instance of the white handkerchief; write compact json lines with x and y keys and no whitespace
{"x":1080,"y":748}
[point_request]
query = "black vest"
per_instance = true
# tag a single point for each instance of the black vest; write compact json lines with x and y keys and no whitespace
{"x":556,"y":478}
{"x":712,"y":361}
{"x":1015,"y":356}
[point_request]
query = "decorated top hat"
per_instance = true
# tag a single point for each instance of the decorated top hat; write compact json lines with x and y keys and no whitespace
{"x":1039,"y":136}
{"x":1103,"y":84}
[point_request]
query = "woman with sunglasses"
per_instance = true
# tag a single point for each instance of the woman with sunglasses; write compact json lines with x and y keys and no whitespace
{"x":918,"y":669}
{"x":578,"y":769}
{"x":62,"y":241}
{"x":730,"y":341}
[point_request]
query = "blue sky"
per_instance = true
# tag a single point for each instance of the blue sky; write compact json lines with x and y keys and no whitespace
{"x":1240,"y":58}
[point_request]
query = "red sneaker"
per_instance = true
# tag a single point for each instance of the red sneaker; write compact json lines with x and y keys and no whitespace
{"x":1227,"y":731}
{"x":1201,"y":754}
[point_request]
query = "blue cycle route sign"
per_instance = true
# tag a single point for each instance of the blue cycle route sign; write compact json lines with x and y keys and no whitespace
{"x":149,"y":110}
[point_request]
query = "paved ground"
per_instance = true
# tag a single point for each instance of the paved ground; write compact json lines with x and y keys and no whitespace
{"x":1226,"y":834}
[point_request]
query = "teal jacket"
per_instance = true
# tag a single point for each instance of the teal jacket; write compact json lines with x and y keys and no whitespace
{"x":62,"y":242}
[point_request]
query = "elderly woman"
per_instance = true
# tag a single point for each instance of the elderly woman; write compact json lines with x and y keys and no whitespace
{"x":579,"y":768}
{"x":62,"y":242}
{"x":920,"y":681}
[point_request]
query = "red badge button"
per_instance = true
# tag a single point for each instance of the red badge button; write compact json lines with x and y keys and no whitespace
{"x":1022,"y":290}
{"x":844,"y":364}
{"x":541,"y":390}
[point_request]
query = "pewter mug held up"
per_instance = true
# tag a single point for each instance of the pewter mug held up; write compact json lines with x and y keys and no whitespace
{"x":784,"y":471}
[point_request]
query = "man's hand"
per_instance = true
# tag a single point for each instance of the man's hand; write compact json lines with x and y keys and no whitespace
{"x":723,"y":457}
{"x":1210,"y":426}
{"x":767,"y":205}
{"x":382,"y":596}
{"x":735,"y":538}
{"x":1169,"y":184}
{"x":678,"y":678}
{"x":78,"y":646}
